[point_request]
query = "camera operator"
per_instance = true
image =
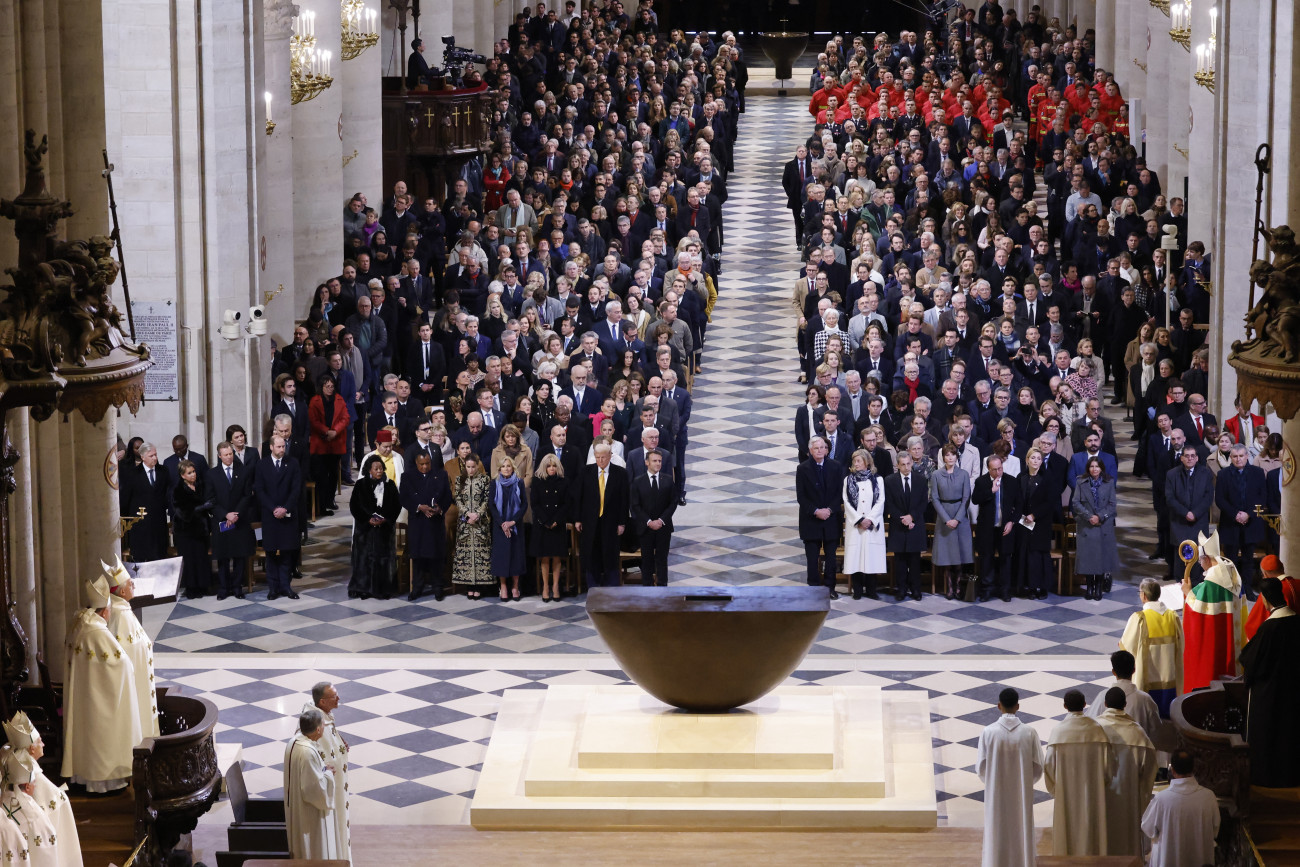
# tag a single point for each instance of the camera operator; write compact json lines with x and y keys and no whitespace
{"x":417,"y":68}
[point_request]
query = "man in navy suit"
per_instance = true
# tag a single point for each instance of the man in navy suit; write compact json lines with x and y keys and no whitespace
{"x":1092,"y":449}
{"x":817,"y":484}
{"x":1238,"y":490}
{"x":586,"y":397}
{"x":276,"y":488}
{"x":682,"y":398}
{"x":600,"y":510}
{"x":609,"y":331}
{"x":292,"y":404}
{"x":1189,"y":493}
{"x":589,"y":351}
{"x":839,"y":445}
{"x":233,"y":542}
{"x":147,"y":486}
{"x":906,"y":495}
{"x":653,"y":502}
{"x":998,"y":497}
{"x":181,"y":452}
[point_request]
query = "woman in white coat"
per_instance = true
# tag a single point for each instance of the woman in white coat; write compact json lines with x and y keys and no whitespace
{"x":864,"y":525}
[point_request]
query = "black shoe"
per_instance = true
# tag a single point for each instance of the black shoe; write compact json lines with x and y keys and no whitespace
{"x":857,"y":593}
{"x":1006,"y":597}
{"x":295,"y":573}
{"x":1106,"y":583}
{"x":239,"y":595}
{"x":916,"y":596}
{"x":834,"y":595}
{"x":899,"y":597}
{"x":681,"y":501}
{"x":221,"y":597}
{"x":329,"y":513}
{"x":412,"y":596}
{"x":982,"y":597}
{"x":271,"y":597}
{"x":439,"y":594}
{"x":292,"y":595}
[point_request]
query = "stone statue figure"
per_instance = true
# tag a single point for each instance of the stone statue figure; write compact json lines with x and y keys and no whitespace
{"x":1273,"y":324}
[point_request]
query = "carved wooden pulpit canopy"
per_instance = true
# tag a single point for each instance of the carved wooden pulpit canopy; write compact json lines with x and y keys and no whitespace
{"x":429,"y":135}
{"x":61,"y":348}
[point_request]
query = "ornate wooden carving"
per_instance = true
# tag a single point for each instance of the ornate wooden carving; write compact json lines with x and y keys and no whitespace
{"x":1266,"y":362}
{"x":175,"y":775}
{"x":428,"y":135}
{"x":1210,"y":723}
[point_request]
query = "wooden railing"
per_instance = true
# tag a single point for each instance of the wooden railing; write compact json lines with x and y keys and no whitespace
{"x":175,"y":776}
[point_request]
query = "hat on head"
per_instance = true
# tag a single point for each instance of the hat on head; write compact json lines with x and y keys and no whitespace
{"x":116,"y":574}
{"x":97,"y":594}
{"x":1209,"y":545}
{"x":384,"y":436}
{"x":1271,"y":563}
{"x":19,"y":767}
{"x":20,"y":732}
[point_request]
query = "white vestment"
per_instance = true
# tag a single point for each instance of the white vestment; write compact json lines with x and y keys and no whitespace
{"x":130,"y":634}
{"x":1078,"y":763}
{"x":57,"y":806}
{"x":12,"y":842}
{"x":335,"y":748}
{"x":308,"y":800}
{"x":37,"y":829}
{"x":1140,"y":706}
{"x":1010,"y":760}
{"x":101,"y":719}
{"x":1182,"y":822}
{"x":1130,"y":789}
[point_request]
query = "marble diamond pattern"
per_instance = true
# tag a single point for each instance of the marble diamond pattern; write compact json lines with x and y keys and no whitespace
{"x":418,"y":732}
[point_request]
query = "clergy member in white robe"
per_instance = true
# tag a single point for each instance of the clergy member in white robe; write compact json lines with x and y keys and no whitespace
{"x":1138,"y":703}
{"x":1078,"y":764}
{"x":1182,"y":821}
{"x":1129,"y":791}
{"x":126,"y":628}
{"x":325,"y":698}
{"x":22,"y":736}
{"x":309,"y":791}
{"x":1009,"y":761}
{"x":20,"y":807}
{"x":101,"y":718}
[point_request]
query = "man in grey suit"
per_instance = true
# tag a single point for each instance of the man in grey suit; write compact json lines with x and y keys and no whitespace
{"x":1189,"y":494}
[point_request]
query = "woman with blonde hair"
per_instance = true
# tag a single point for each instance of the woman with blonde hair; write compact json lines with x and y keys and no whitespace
{"x":550,"y":542}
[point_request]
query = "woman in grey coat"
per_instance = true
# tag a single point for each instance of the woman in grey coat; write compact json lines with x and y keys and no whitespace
{"x":950,"y":494}
{"x":1094,"y":514}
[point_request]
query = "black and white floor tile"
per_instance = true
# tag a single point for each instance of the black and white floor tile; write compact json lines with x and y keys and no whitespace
{"x":421,"y":682}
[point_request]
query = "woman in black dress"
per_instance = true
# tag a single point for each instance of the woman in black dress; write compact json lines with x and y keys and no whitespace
{"x":1038,"y":496}
{"x":190,"y":509}
{"x":550,"y":525}
{"x":507,"y":503}
{"x":375,"y":507}
{"x":426,"y":496}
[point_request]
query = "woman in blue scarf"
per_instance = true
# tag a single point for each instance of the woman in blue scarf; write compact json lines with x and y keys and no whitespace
{"x":507,"y":505}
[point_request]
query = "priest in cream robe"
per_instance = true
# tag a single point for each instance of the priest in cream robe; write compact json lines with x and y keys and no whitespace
{"x":23,"y":737}
{"x":1154,"y":636}
{"x":309,"y":791}
{"x":126,"y":628}
{"x":19,"y":806}
{"x":1137,"y":704}
{"x":325,"y":698}
{"x":101,"y":717}
{"x":1009,"y":762}
{"x":1078,"y":763}
{"x":1182,"y":821}
{"x":1129,"y":791}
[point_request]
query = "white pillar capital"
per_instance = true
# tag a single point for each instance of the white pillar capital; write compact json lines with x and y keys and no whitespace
{"x":277,"y":16}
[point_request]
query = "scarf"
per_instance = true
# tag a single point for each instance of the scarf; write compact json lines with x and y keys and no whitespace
{"x":328,"y":406}
{"x":912,"y":386}
{"x":379,"y":493}
{"x":862,"y":477}
{"x":1148,"y":374}
{"x":1095,"y":485}
{"x":507,"y":494}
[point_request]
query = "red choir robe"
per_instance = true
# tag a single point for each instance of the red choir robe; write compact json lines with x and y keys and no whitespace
{"x":1259,"y":613}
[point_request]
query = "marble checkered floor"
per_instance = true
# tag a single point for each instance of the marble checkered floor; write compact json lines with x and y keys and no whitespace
{"x":421,"y":682}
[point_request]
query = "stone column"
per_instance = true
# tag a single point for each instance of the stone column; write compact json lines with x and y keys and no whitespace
{"x":275,"y":178}
{"x":23,"y":554}
{"x":502,"y":16}
{"x":55,"y":534}
{"x":1203,"y":124}
{"x":318,"y":171}
{"x":437,"y":21}
{"x":363,"y":154}
{"x":81,"y":104}
{"x":1289,"y":532}
{"x":1160,"y":68}
{"x":464,"y":24}
{"x":96,"y":500}
{"x":12,"y":51}
{"x":483,"y":27}
{"x":1106,"y":33}
{"x":1177,"y":112}
{"x":1084,"y":15}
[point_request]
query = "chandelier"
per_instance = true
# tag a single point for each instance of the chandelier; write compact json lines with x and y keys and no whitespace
{"x":1205,"y":55}
{"x":1181,"y":17}
{"x":359,"y":31}
{"x":309,"y":69}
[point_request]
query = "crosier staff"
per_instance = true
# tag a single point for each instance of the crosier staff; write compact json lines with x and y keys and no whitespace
{"x":116,"y":235}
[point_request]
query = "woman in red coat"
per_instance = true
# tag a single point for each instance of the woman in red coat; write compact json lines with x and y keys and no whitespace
{"x":495,"y":178}
{"x":327,"y":418}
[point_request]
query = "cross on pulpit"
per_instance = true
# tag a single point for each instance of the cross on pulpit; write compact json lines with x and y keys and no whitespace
{"x":428,"y":116}
{"x":455,"y":115}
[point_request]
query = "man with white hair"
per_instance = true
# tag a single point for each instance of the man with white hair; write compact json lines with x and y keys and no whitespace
{"x":309,"y":792}
{"x":334,"y":749}
{"x":126,"y":628}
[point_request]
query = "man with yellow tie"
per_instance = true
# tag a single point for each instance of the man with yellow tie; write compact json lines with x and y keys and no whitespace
{"x":601,"y":508}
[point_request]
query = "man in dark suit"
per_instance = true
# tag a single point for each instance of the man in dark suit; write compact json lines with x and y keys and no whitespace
{"x":636,"y":459}
{"x":600,"y":507}
{"x":277,"y":489}
{"x":998,"y":497}
{"x":681,"y":398}
{"x":1238,"y":491}
{"x":1189,"y":493}
{"x":181,"y":452}
{"x":426,"y":366}
{"x":147,"y":486}
{"x":839,"y":444}
{"x":233,"y":541}
{"x":481,"y":438}
{"x":796,"y":175}
{"x":390,"y":415}
{"x":817,"y":484}
{"x":646,"y":421}
{"x":585,"y":396}
{"x":1196,"y":421}
{"x":1163,"y":448}
{"x":288,"y":404}
{"x":653,"y":501}
{"x":905,"y":498}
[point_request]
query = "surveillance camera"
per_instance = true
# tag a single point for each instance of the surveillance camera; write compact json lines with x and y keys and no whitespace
{"x":230,"y":324}
{"x":257,"y":320}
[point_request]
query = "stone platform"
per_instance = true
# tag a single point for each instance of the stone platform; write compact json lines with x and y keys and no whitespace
{"x":612,"y":757}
